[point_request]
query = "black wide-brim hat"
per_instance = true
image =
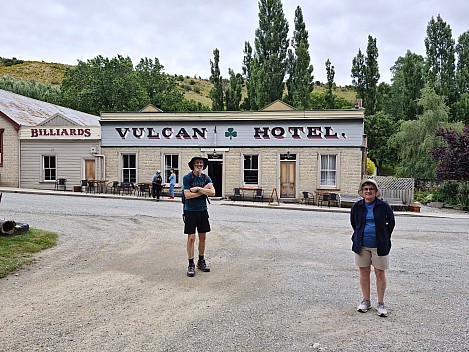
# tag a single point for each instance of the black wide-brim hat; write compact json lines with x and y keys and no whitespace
{"x":198,"y":157}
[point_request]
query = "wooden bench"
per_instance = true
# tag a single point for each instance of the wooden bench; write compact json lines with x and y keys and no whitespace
{"x":396,"y":203}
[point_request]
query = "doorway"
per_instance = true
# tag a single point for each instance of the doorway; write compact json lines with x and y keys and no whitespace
{"x":215,"y":171}
{"x":90,"y":169}
{"x":287,"y":175}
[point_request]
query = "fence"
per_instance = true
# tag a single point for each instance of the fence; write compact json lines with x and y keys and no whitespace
{"x":391,"y":187}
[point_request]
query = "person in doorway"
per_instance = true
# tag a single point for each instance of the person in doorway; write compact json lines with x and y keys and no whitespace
{"x":196,"y":188}
{"x":172,"y":183}
{"x":372,"y":220}
{"x":156,"y":182}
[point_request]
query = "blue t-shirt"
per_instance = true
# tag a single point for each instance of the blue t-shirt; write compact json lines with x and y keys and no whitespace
{"x":172,"y":179}
{"x":198,"y":203}
{"x":369,"y":236}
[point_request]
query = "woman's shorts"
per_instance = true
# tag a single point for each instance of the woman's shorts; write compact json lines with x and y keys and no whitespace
{"x":196,"y":220}
{"x":369,"y":256}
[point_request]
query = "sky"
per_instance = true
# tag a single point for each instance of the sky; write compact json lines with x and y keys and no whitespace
{"x":182,"y":34}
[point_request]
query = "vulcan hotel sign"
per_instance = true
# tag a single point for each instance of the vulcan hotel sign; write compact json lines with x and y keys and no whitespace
{"x":325,"y":133}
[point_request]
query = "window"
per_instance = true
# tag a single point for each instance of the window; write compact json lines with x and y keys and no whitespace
{"x":1,"y":146}
{"x":129,"y":168}
{"x":328,"y":176}
{"x":49,"y":168}
{"x":171,"y":161}
{"x":251,"y":169}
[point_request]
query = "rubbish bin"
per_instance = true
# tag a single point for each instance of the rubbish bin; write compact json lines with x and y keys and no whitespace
{"x":76,"y":188}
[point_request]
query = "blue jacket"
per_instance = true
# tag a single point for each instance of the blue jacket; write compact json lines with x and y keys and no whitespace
{"x":384,"y":225}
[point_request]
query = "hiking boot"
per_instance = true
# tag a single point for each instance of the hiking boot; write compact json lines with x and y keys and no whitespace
{"x":382,"y":312}
{"x":364,"y":306}
{"x":203,"y":266}
{"x":191,"y":270}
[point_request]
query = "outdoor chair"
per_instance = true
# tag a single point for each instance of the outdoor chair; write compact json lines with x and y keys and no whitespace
{"x":112,"y":187}
{"x":91,"y":187}
{"x":237,"y":195}
{"x":334,"y":198}
{"x":258,"y":195}
{"x":126,"y":188}
{"x":60,"y":183}
{"x":308,"y":198}
{"x":324,"y":199}
{"x":84,"y":185}
{"x":144,"y":189}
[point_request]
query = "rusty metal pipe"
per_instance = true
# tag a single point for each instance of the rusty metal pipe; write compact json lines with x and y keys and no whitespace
{"x":7,"y":226}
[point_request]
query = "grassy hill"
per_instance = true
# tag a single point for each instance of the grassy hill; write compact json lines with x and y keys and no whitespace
{"x":196,"y":89}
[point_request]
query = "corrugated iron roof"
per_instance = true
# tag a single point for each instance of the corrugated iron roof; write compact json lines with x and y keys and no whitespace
{"x":31,"y":112}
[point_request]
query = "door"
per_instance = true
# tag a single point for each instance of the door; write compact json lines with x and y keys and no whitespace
{"x":90,"y":169}
{"x":215,"y":171}
{"x":287,"y":176}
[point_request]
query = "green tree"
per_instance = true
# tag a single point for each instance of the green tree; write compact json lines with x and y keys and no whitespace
{"x":299,"y":69}
{"x":270,"y":58}
{"x":358,"y":74}
{"x":233,"y":94}
{"x":32,"y":89}
{"x":103,"y":84}
{"x":329,"y":95}
{"x":378,"y":129}
{"x":249,"y":101}
{"x":407,"y":84}
{"x":440,"y":60}
{"x":216,"y":93}
{"x":462,"y":67}
{"x":371,"y":75}
{"x":416,"y":139}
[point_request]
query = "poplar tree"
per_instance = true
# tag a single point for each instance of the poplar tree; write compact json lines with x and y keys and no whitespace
{"x":216,"y":93}
{"x":300,"y":78}
{"x":329,"y":95}
{"x":440,"y":60}
{"x":358,"y":74}
{"x":249,"y":101}
{"x":269,"y":65}
{"x":233,"y":94}
{"x":371,"y":75}
{"x":461,"y":107}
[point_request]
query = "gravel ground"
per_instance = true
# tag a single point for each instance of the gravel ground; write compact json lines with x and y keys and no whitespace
{"x":281,"y":280}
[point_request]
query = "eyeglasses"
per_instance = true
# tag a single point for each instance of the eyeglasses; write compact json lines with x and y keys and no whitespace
{"x":369,"y":189}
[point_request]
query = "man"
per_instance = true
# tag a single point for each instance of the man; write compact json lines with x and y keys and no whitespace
{"x":156,"y":182}
{"x":196,"y":187}
{"x":372,"y":220}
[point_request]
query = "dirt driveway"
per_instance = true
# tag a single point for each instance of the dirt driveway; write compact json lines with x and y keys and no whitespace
{"x":281,"y":280}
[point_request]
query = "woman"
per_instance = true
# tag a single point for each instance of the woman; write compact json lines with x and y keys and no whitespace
{"x":172,"y":183}
{"x":372,"y":221}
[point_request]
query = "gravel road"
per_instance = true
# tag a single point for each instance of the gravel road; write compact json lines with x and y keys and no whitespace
{"x":281,"y":280}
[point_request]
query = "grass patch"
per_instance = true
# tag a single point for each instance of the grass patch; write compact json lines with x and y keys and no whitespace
{"x":18,"y":250}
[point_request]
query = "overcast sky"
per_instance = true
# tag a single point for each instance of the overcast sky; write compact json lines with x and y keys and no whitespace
{"x":182,"y":34}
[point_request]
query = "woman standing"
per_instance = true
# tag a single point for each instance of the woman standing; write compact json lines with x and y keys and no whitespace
{"x":172,"y":182}
{"x":372,"y":220}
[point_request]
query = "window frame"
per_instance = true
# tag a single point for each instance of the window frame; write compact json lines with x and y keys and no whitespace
{"x":122,"y":169}
{"x":168,"y":167}
{"x":43,"y":168}
{"x":251,"y":169}
{"x":336,"y":178}
{"x":2,"y":130}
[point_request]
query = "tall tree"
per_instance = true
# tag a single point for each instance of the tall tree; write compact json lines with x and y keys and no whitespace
{"x":233,"y":94}
{"x":299,"y":69}
{"x":329,"y":95}
{"x":407,"y":84}
{"x":216,"y":92}
{"x":440,"y":60}
{"x":371,"y":75}
{"x":271,"y":44}
{"x":358,"y":74}
{"x":249,"y":101}
{"x":462,"y":67}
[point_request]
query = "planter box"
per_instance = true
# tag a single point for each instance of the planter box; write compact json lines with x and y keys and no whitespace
{"x":76,"y":188}
{"x":438,"y":205}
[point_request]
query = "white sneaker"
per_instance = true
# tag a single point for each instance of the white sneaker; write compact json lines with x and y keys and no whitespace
{"x":382,"y":312}
{"x":364,"y":306}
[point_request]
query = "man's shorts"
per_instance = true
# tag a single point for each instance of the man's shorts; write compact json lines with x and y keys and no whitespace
{"x":369,"y":256}
{"x":196,"y":220}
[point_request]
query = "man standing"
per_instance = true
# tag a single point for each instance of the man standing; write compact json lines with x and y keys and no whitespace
{"x":156,"y":182}
{"x":172,"y":183}
{"x":197,"y":187}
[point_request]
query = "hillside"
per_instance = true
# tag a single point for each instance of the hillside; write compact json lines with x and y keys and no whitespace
{"x":194,"y":88}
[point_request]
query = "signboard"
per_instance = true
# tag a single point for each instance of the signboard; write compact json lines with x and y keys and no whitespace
{"x":324,"y":133}
{"x":60,"y":132}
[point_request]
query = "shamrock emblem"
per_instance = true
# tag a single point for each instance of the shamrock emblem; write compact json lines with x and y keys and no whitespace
{"x":231,"y":133}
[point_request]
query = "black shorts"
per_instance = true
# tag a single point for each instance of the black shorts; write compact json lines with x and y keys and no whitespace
{"x":196,"y":220}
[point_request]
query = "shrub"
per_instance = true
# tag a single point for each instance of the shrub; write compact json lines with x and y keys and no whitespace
{"x":370,"y":167}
